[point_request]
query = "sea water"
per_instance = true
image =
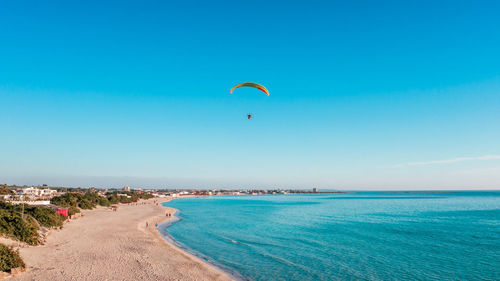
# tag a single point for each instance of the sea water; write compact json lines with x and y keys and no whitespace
{"x":345,"y":236}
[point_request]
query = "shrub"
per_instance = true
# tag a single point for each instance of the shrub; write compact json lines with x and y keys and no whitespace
{"x":114,"y":198}
{"x":85,"y":204}
{"x":9,"y":259}
{"x":88,"y":201}
{"x":73,"y":210}
{"x":145,"y":196}
{"x":104,"y":201}
{"x":12,"y":224}
{"x":67,"y":199}
{"x":22,"y":222}
{"x":45,"y":216}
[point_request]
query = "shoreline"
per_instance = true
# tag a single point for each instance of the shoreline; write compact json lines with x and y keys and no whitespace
{"x":107,"y":245}
{"x":236,"y":276}
{"x":169,"y":221}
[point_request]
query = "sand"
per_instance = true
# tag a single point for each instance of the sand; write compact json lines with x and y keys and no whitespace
{"x":108,"y":245}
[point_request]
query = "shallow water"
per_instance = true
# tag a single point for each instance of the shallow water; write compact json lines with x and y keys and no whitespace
{"x":350,"y":236}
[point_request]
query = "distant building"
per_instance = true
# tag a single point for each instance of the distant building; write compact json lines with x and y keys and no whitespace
{"x":47,"y":192}
{"x":5,"y":196}
{"x":126,"y":188}
{"x":29,"y":191}
{"x":59,"y":210}
{"x":123,"y":195}
{"x":31,"y":202}
{"x":35,"y":193}
{"x":315,"y":190}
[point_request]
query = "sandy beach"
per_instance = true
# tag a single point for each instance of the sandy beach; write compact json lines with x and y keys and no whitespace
{"x":108,"y":245}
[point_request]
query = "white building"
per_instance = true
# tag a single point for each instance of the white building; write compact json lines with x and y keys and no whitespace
{"x":29,"y":191}
{"x":34,"y":203}
{"x":126,"y":188}
{"x":33,"y":192}
{"x":5,"y":197}
{"x":47,"y":192}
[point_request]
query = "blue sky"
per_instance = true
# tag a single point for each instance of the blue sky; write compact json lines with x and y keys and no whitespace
{"x":364,"y":94}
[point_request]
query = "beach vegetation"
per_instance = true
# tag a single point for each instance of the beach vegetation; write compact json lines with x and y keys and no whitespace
{"x":45,"y":216}
{"x":113,"y":198}
{"x":145,"y":196}
{"x":122,"y":197}
{"x":90,"y":199}
{"x":103,"y":201}
{"x":9,"y":259}
{"x":87,"y":201}
{"x":76,"y":201}
{"x":66,"y":200}
{"x":17,"y":224}
{"x":95,"y":199}
{"x":86,"y":204}
{"x":73,"y":210}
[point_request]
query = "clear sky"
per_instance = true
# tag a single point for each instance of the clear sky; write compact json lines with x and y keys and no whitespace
{"x":364,"y":94}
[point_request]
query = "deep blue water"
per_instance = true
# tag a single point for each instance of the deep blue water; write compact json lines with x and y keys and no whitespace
{"x":350,"y":236}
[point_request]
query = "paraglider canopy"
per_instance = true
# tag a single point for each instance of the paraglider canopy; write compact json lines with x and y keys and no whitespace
{"x":250,"y":84}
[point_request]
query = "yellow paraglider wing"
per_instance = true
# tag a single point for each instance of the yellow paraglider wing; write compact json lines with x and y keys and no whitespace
{"x":250,"y":84}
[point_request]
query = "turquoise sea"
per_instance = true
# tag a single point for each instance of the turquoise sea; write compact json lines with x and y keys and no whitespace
{"x":347,"y":236}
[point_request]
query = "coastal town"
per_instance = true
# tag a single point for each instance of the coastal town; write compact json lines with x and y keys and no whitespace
{"x":37,"y":195}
